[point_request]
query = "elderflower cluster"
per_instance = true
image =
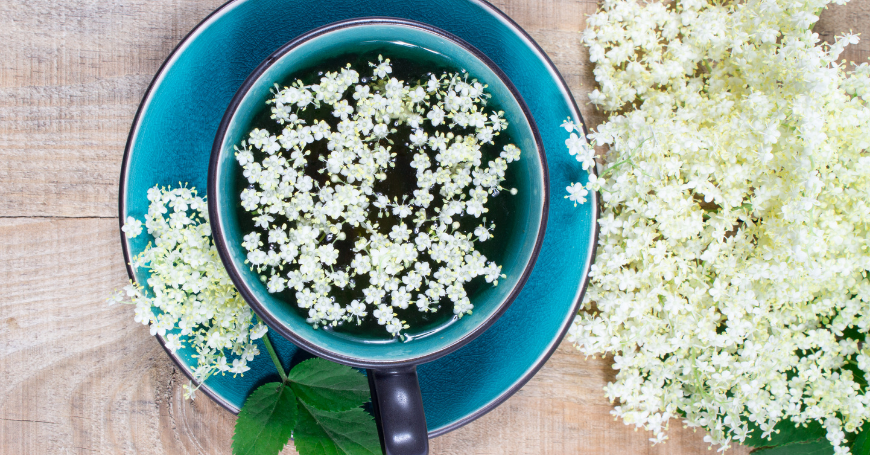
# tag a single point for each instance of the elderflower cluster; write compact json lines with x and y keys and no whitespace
{"x":322,"y":220}
{"x":190,"y":300}
{"x":730,"y":282}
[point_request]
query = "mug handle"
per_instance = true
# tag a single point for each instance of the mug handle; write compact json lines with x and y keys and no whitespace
{"x":398,"y":407}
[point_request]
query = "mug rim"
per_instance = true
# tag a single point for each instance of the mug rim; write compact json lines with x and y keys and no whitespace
{"x":215,"y":213}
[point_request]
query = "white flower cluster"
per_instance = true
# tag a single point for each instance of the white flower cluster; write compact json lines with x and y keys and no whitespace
{"x":730,"y":282}
{"x":585,"y":154}
{"x":190,"y":299}
{"x":308,"y":219}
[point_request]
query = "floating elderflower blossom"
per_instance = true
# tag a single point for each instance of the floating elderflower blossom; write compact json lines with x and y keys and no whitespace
{"x":731,"y":276}
{"x":190,"y":300}
{"x":305,"y":221}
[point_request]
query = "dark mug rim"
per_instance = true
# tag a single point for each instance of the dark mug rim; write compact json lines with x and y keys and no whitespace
{"x":215,"y":213}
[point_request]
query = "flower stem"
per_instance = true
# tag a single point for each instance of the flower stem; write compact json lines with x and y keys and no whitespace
{"x":275,"y":358}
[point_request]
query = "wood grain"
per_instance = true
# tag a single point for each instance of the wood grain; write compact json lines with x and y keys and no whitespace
{"x":79,"y":376}
{"x":69,"y":88}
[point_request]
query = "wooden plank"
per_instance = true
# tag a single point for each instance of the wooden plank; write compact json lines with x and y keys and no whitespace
{"x":75,"y":72}
{"x":78,"y":375}
{"x":71,"y":77}
{"x":852,"y":17}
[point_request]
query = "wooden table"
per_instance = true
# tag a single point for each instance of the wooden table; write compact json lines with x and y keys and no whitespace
{"x":79,"y":376}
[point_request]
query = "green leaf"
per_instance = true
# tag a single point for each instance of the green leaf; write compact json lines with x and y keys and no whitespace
{"x":820,"y":447}
{"x":265,"y":421}
{"x":351,"y":432}
{"x":788,"y":434}
{"x":329,"y":386}
{"x":861,"y":445}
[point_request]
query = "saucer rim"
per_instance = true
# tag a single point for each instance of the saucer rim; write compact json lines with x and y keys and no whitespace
{"x":593,"y":199}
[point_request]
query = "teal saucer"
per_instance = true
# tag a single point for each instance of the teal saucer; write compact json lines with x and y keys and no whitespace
{"x":170,"y":143}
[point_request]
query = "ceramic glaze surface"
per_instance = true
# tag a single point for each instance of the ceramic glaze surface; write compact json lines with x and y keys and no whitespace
{"x":171,"y":142}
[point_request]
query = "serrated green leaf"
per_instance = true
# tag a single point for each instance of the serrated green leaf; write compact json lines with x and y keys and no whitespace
{"x":351,"y":432}
{"x":329,"y":386}
{"x":820,"y":447}
{"x":788,"y":434}
{"x":265,"y":421}
{"x":310,"y":438}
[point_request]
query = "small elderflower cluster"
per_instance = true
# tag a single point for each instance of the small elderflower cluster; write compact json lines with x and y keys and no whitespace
{"x":190,"y":299}
{"x":585,"y":154}
{"x":307,"y":221}
{"x":730,"y":282}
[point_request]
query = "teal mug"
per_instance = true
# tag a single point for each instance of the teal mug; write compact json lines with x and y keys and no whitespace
{"x":390,"y":364}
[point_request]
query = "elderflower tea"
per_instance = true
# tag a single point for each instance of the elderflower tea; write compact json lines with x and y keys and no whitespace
{"x":376,"y":192}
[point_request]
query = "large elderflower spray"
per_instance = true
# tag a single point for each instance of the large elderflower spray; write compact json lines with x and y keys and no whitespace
{"x":731,"y":283}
